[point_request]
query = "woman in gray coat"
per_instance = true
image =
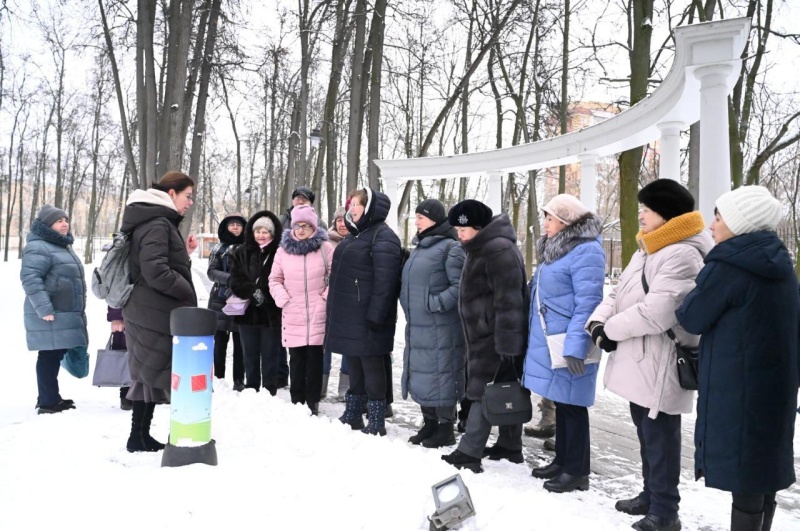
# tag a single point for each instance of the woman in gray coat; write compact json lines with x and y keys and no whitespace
{"x":55,"y":302}
{"x":434,"y":357}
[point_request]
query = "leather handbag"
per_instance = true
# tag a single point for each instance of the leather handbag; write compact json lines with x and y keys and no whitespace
{"x":111,"y":368}
{"x":76,"y":362}
{"x":506,"y":403}
{"x":686,"y":357}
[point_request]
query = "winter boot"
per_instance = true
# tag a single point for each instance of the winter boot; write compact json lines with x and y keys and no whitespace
{"x":497,"y":452}
{"x":135,"y":441}
{"x":238,"y":386}
{"x":546,"y":427}
{"x":151,"y":444}
{"x":636,"y":506}
{"x":461,"y":460}
{"x":352,"y":411}
{"x":428,"y":428}
{"x":344,"y":385}
{"x":652,"y":522}
{"x":742,"y":521}
{"x":377,"y":421}
{"x":324,"y":392}
{"x":314,"y":407}
{"x":769,"y":514}
{"x":443,"y":437}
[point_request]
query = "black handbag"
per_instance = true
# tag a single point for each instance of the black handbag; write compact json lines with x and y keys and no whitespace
{"x":506,"y":403}
{"x":686,"y":356}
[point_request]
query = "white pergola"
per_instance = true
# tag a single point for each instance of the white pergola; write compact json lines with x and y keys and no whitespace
{"x":706,"y":65}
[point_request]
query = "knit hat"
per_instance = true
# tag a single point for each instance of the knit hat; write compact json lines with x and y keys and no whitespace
{"x":749,"y":209}
{"x":265,"y":222}
{"x":50,"y":214}
{"x":667,"y":198}
{"x":565,"y":208}
{"x":305,"y":192}
{"x":469,"y":213}
{"x":339,"y":213}
{"x":433,"y":210}
{"x":305,"y":214}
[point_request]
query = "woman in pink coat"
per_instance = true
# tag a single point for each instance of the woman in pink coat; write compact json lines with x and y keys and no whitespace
{"x":299,"y":284}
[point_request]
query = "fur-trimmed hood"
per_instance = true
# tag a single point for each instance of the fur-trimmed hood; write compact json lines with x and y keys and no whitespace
{"x":585,"y":229}
{"x":40,"y":231}
{"x":301,"y":247}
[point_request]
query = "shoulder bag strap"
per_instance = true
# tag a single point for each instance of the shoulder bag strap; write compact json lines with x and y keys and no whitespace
{"x":669,"y":332}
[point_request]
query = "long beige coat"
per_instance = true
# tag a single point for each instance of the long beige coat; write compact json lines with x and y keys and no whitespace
{"x":642,"y":370}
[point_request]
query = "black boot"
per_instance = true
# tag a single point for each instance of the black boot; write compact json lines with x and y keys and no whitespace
{"x":135,"y":441}
{"x":742,"y":521}
{"x":567,"y":483}
{"x":443,"y":437}
{"x":124,"y":403}
{"x":497,"y":452}
{"x":427,"y":430}
{"x":546,"y":472}
{"x":151,"y":444}
{"x":635,"y":506}
{"x":652,"y":522}
{"x":461,"y":460}
{"x":314,"y":408}
{"x":352,"y":411}
{"x":377,"y":421}
{"x":769,"y":514}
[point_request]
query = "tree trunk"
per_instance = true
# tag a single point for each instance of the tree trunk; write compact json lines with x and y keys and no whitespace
{"x":563,"y":106}
{"x":356,"y":109}
{"x":376,"y":44}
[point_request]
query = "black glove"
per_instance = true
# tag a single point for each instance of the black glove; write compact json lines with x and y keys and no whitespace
{"x":600,"y":338}
{"x":373,"y":326}
{"x":575,"y":365}
{"x":258,"y":296}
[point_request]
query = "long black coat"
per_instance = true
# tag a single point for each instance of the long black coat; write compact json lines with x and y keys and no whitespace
{"x":219,"y":270}
{"x":745,"y":305}
{"x":250,"y":271}
{"x":161,"y":270}
{"x":493,"y":305}
{"x":362,"y":297}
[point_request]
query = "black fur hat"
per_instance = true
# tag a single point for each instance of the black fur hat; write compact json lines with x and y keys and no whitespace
{"x":469,"y":213}
{"x":667,"y":198}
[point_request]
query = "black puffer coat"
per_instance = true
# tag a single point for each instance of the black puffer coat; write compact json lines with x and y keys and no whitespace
{"x":250,"y":271}
{"x":362,"y":297}
{"x":219,"y":270}
{"x":493,"y":305}
{"x":161,"y":270}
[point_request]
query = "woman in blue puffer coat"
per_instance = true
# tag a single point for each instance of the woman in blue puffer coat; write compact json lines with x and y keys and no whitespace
{"x":567,"y":287}
{"x":55,"y":301}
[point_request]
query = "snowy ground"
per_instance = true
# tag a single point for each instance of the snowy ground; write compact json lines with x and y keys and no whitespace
{"x":278,"y":467}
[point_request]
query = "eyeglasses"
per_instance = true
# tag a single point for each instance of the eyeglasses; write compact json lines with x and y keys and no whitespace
{"x":301,"y":226}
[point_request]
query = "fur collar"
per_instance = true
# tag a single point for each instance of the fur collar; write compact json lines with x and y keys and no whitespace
{"x":302,"y":247}
{"x":585,"y":229}
{"x":49,"y":235}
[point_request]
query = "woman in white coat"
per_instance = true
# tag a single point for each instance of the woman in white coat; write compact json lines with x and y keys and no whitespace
{"x":632,"y":320}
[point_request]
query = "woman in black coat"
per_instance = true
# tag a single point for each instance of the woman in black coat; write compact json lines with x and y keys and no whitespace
{"x":231,"y":234}
{"x":494,"y":314}
{"x":362,"y":305}
{"x":161,"y":271}
{"x":260,"y":326}
{"x":745,"y":305}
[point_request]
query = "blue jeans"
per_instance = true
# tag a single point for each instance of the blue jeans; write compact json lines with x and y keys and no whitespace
{"x":47,"y":365}
{"x":262,"y":349}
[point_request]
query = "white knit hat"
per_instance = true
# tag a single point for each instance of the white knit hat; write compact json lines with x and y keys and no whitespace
{"x":566,"y":208}
{"x":749,"y":209}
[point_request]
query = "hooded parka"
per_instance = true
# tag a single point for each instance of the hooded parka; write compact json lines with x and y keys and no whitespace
{"x":365,"y":277}
{"x":434,"y":356}
{"x":161,"y":271}
{"x":745,"y":306}
{"x":219,"y":270}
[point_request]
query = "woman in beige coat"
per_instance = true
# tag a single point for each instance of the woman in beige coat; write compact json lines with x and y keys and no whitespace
{"x":632,"y":321}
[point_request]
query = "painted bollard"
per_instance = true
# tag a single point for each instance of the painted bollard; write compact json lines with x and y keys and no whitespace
{"x":190,"y":409}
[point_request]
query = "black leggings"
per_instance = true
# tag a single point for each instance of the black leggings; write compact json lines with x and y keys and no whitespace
{"x":752,"y":503}
{"x":368,"y":376}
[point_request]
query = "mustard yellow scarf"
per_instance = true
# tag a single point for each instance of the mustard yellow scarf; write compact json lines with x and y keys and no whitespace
{"x":675,"y":230}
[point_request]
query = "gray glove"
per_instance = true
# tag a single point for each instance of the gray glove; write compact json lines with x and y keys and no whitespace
{"x":258,"y":295}
{"x":575,"y":365}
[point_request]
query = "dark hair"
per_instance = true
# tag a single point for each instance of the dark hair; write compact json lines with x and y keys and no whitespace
{"x":174,"y":180}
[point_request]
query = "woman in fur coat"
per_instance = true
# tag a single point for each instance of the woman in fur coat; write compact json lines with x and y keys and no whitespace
{"x":299,"y":284}
{"x":567,"y":287}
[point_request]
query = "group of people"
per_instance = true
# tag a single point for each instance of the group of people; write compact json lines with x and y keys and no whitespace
{"x":473,"y":318}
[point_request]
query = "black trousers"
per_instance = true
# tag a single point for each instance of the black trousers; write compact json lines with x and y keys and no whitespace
{"x":660,"y":448}
{"x":262,"y":350}
{"x":305,"y":368}
{"x":368,"y":376}
{"x":572,"y":439}
{"x":221,"y":355}
{"x":752,"y":503}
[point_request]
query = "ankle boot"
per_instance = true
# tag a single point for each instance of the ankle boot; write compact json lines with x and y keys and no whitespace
{"x":135,"y":441}
{"x":352,"y":411}
{"x":151,"y":444}
{"x":769,"y":514}
{"x":742,"y":521}
{"x":427,"y":430}
{"x":443,"y":437}
{"x":377,"y":421}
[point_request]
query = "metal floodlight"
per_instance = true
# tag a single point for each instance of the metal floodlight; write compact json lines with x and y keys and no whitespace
{"x":453,"y":503}
{"x":315,"y":137}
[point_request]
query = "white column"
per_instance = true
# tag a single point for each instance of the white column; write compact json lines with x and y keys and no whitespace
{"x":715,"y":163}
{"x":589,"y":180}
{"x":390,"y":185}
{"x":670,"y":155}
{"x":494,"y":196}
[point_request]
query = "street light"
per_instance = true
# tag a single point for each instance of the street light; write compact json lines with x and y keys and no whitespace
{"x":315,"y":137}
{"x":453,"y":503}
